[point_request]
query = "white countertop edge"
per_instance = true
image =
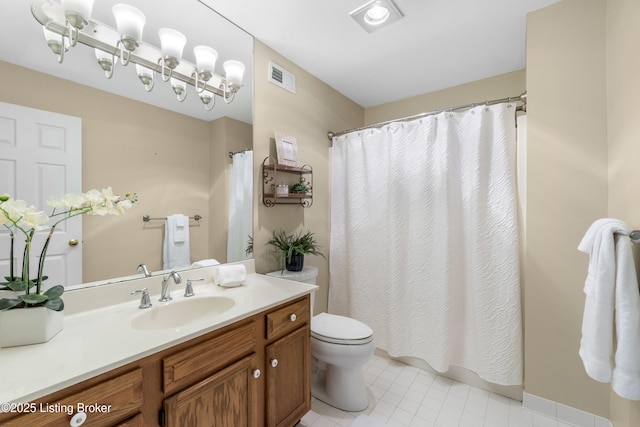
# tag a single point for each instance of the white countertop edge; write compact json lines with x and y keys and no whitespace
{"x":143,"y":343}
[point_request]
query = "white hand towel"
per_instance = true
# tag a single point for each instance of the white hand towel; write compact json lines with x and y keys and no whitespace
{"x":176,"y":252}
{"x":230,"y":275}
{"x":180,"y":227}
{"x":205,"y":263}
{"x":611,"y":290}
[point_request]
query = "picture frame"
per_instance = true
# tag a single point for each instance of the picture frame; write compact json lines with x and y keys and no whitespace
{"x":287,"y":150}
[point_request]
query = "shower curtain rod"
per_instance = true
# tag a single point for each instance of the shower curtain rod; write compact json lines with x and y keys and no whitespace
{"x":521,"y":98}
{"x":231,"y":153}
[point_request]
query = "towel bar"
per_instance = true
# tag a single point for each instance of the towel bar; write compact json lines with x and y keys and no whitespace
{"x":147,"y":218}
{"x":635,"y":235}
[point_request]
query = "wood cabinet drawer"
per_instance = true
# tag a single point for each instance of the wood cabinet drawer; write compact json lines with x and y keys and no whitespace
{"x":105,"y":404}
{"x":188,"y":366}
{"x":288,"y":318}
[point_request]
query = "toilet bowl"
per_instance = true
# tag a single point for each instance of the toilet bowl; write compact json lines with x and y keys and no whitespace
{"x":340,"y":346}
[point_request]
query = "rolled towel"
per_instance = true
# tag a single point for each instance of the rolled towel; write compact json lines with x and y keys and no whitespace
{"x":230,"y":275}
{"x":205,"y":263}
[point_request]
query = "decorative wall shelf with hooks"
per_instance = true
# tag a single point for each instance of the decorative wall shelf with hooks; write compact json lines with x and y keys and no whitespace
{"x":276,"y":177}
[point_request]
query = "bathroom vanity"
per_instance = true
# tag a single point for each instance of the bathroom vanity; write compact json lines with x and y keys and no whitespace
{"x":246,"y":366}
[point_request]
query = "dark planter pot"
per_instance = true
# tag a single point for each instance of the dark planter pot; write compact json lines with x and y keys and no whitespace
{"x":295,"y":263}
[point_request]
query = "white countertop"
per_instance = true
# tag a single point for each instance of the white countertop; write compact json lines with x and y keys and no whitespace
{"x":100,"y":339}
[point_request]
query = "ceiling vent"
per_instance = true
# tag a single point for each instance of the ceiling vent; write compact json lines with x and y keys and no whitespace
{"x":281,"y":77}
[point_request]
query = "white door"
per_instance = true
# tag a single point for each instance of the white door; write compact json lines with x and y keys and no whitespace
{"x":41,"y":156}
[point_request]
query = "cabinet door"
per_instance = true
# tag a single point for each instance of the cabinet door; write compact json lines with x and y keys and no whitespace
{"x":289,"y":378}
{"x":226,"y":398}
{"x":105,"y":404}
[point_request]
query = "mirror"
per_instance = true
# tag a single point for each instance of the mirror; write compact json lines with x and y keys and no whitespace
{"x":174,"y":155}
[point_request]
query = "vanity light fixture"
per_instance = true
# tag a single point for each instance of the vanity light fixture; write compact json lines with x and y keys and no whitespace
{"x":376,"y":14}
{"x":57,"y":43}
{"x":207,"y":99}
{"x":146,"y":76}
{"x":77,"y":14}
{"x":206,"y":58}
{"x":67,"y":22}
{"x":179,"y":88}
{"x":130,"y":23}
{"x":172,"y":43}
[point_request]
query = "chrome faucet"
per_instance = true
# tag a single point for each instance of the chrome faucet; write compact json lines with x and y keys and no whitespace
{"x":166,"y":294}
{"x":143,"y":269}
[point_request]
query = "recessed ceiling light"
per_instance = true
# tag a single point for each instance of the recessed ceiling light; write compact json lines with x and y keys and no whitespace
{"x":376,"y":14}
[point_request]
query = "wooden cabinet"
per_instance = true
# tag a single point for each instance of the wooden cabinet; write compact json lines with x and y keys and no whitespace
{"x":288,"y":388}
{"x":253,"y":373}
{"x":288,"y":358}
{"x":227,"y":398}
{"x":237,"y":394}
{"x":274,"y":175}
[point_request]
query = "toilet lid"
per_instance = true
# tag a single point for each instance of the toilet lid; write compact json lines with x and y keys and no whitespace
{"x":339,"y":328}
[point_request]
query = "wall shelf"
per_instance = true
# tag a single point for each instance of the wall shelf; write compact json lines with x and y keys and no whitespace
{"x":274,"y":174}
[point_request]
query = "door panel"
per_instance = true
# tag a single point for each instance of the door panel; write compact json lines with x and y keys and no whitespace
{"x":41,"y":156}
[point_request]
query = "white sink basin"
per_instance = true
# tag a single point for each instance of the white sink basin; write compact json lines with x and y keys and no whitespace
{"x":181,"y":313}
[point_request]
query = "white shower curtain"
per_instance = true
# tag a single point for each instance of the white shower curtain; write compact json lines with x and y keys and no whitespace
{"x":240,"y":206}
{"x":424,"y":239}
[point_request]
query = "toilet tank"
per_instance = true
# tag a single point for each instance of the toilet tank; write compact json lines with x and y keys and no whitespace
{"x":307,"y":275}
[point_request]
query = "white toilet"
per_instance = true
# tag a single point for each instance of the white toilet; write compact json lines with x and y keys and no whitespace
{"x":340,"y":346}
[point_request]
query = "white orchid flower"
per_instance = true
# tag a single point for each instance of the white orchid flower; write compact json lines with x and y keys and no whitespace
{"x":33,"y":219}
{"x":69,"y":200}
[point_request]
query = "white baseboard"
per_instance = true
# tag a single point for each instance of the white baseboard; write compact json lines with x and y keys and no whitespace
{"x":563,"y":413}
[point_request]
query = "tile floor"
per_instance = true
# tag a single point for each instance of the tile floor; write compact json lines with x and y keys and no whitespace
{"x":401,"y":395}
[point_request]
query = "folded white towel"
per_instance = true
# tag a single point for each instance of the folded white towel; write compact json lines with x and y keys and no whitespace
{"x":230,"y":275}
{"x":180,"y":224}
{"x":612,"y":295}
{"x":176,"y":250}
{"x":205,"y":263}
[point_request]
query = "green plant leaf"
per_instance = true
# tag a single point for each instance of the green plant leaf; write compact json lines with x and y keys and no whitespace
{"x":17,"y":284}
{"x":54,"y":292}
{"x":6,"y":303}
{"x":33,"y":298}
{"x":288,"y":245}
{"x":55,"y":304}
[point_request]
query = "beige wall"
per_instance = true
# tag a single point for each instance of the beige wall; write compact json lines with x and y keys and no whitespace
{"x":160,"y":155}
{"x":567,"y":191}
{"x":582,"y":123}
{"x":623,"y":131}
{"x":308,"y":115}
{"x":503,"y":86}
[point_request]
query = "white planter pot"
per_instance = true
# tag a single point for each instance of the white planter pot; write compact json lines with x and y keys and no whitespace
{"x":24,"y":326}
{"x":8,"y":294}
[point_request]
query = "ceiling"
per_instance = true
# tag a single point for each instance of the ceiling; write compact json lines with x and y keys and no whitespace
{"x":438,"y":44}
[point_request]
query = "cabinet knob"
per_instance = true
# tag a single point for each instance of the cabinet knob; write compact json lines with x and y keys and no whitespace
{"x":293,"y":317}
{"x":274,"y":363}
{"x":78,"y":419}
{"x":256,"y":373}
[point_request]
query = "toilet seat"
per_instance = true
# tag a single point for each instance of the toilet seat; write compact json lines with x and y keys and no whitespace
{"x":335,"y":329}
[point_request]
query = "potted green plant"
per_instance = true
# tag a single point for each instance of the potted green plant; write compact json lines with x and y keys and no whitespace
{"x":29,"y":303}
{"x":291,"y":248}
{"x":300,"y":187}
